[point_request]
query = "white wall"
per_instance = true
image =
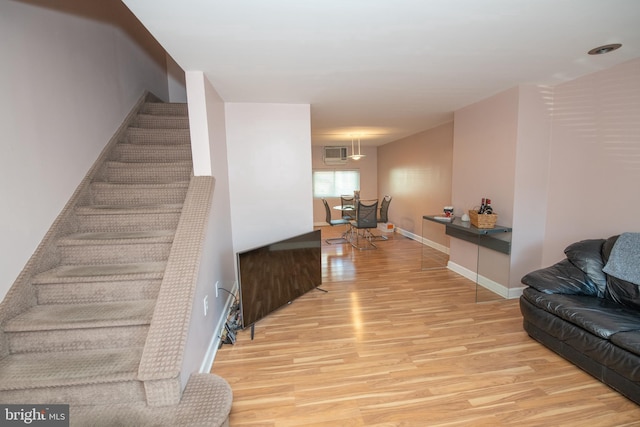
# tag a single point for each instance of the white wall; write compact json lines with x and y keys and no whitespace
{"x":199,"y":122}
{"x":217,"y":262}
{"x":70,"y":73}
{"x":269,"y":151}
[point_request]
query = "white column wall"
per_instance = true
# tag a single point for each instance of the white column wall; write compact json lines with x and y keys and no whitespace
{"x":269,"y":148}
{"x":207,"y":122}
{"x":198,"y":123}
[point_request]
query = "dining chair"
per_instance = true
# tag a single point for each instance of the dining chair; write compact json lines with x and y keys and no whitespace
{"x":347,"y":201}
{"x":366,"y":219}
{"x":334,"y":222}
{"x":384,"y":215}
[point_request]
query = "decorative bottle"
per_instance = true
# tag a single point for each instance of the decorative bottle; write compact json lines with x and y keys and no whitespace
{"x":482,"y":207}
{"x":487,"y":207}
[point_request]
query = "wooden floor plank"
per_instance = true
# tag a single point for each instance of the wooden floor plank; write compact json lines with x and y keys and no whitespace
{"x":391,"y":344}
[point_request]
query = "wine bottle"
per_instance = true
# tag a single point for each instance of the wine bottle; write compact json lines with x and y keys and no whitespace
{"x":487,"y":207}
{"x":482,"y":207}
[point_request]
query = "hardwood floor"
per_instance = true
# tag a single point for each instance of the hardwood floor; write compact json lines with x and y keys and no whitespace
{"x":392,"y":345}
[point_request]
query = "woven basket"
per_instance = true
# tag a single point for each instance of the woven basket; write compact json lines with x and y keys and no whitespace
{"x":483,"y":220}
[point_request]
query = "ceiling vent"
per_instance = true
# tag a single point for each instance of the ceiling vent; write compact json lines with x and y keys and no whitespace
{"x":335,"y":155}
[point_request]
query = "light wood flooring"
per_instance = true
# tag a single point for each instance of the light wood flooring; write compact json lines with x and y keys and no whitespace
{"x":392,"y":345}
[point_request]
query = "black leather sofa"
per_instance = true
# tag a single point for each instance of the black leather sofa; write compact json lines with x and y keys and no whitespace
{"x":588,"y":315}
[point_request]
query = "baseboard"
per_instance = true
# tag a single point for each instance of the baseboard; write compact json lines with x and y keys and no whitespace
{"x":214,"y":342}
{"x":422,"y":240}
{"x":493,"y":286}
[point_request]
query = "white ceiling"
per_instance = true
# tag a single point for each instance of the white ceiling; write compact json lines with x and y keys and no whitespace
{"x":387,"y":68}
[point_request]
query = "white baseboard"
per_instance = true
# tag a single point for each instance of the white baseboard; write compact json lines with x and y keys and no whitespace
{"x":422,"y":240}
{"x":493,"y":286}
{"x":214,"y":342}
{"x":485,"y":282}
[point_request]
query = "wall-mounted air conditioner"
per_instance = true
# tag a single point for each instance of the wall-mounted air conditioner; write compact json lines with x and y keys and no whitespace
{"x":335,"y":155}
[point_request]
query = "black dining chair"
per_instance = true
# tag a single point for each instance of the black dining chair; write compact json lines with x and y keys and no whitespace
{"x":366,"y":219}
{"x":384,"y":215}
{"x":334,"y":222}
{"x":347,"y":201}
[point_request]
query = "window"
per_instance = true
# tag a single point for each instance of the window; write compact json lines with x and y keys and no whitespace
{"x":335,"y":183}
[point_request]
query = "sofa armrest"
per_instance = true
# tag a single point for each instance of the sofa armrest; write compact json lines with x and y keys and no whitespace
{"x":561,"y":278}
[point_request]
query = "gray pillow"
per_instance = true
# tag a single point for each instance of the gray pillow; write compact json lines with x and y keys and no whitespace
{"x":619,"y":290}
{"x":624,"y":259}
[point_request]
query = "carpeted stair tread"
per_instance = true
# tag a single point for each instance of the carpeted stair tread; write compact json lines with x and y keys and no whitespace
{"x":79,"y":316}
{"x":156,"y":136}
{"x":157,"y":121}
{"x":206,"y":401}
{"x":154,"y":236}
{"x":137,"y":153}
{"x":148,"y":164}
{"x":148,"y":172}
{"x":51,"y":369}
{"x":121,"y":186}
{"x":97,"y":273}
{"x":104,"y":193}
{"x":129,"y":209}
{"x":165,"y":108}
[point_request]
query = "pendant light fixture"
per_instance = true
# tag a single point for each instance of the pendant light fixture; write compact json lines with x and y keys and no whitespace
{"x":353,"y":155}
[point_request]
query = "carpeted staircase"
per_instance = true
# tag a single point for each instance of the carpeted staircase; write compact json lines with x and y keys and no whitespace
{"x":76,"y":321}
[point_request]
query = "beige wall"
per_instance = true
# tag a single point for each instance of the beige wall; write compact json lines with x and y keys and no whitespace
{"x":545,"y":156}
{"x":368,"y":178}
{"x":594,"y":158}
{"x":416,"y":171}
{"x":484,"y":153}
{"x":560,"y":164}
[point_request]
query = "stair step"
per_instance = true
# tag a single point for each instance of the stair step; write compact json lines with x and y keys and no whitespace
{"x":138,"y":194}
{"x":115,"y":247}
{"x":128,"y":218}
{"x":68,"y":327}
{"x":79,"y":316}
{"x":206,"y":401}
{"x":72,"y":377}
{"x":151,"y":153}
{"x":101,"y":273}
{"x":84,"y":290}
{"x":135,"y":135}
{"x":81,"y":284}
{"x":165,"y":108}
{"x":146,"y":173}
{"x":158,"y":121}
{"x":154,"y":236}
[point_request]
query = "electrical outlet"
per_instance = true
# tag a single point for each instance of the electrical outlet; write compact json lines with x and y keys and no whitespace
{"x":206,"y":304}
{"x":217,"y":283}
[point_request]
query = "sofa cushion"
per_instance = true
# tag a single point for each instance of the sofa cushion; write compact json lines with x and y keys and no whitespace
{"x":587,"y":256}
{"x":561,"y":278}
{"x":593,"y":354}
{"x":598,"y":316}
{"x":630,"y":341}
{"x":619,"y":290}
